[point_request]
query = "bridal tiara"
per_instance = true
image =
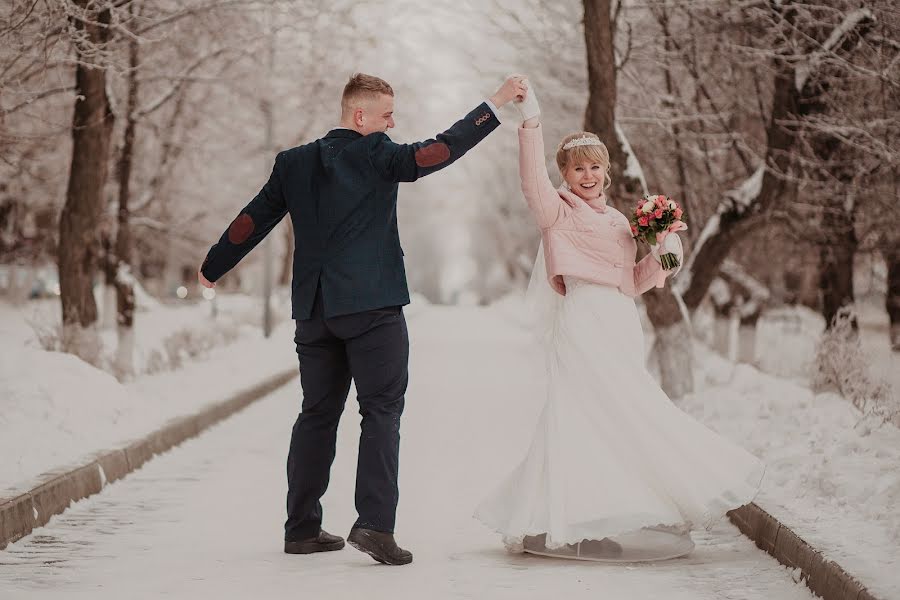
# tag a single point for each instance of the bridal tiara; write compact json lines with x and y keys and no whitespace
{"x":582,"y":141}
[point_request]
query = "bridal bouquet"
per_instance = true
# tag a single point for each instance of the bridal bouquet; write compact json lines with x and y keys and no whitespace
{"x":654,"y":218}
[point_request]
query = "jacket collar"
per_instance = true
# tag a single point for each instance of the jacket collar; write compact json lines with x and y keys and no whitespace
{"x":343,"y":132}
{"x":598,"y":205}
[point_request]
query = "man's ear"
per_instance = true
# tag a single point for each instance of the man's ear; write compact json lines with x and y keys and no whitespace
{"x":358,"y":117}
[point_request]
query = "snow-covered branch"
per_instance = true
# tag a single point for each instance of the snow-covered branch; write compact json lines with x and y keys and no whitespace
{"x":189,"y":12}
{"x":36,"y":97}
{"x":632,"y":164}
{"x":737,"y":201}
{"x":808,"y":68}
{"x":181,"y":80}
{"x":758,"y":291}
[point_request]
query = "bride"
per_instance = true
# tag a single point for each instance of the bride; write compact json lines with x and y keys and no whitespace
{"x":615,"y":471}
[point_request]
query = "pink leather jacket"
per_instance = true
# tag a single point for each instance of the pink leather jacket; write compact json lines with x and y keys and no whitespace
{"x":590,"y":241}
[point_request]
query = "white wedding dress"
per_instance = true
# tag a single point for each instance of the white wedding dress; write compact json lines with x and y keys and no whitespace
{"x":612,"y":456}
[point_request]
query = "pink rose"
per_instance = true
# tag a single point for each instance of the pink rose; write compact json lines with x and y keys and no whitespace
{"x":643,"y":221}
{"x":678,"y":213}
{"x":633,"y":230}
{"x":660,"y":201}
{"x":639,"y":212}
{"x":658,"y":213}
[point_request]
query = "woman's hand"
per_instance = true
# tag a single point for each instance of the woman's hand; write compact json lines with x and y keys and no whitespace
{"x":528,"y":107}
{"x":671,"y":244}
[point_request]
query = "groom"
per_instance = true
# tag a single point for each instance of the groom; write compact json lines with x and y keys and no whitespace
{"x":349,"y":286}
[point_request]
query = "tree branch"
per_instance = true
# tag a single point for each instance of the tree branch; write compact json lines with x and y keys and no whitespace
{"x":40,"y":96}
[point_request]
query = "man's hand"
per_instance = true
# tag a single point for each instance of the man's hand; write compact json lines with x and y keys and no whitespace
{"x":514,"y":87}
{"x":203,"y":280}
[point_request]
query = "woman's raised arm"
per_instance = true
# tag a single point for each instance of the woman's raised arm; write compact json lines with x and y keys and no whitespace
{"x":542,"y":198}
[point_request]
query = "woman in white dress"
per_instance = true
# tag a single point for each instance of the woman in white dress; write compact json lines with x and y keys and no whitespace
{"x":615,"y":470}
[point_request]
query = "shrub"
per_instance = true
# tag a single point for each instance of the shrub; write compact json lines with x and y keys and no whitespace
{"x":842,"y":365}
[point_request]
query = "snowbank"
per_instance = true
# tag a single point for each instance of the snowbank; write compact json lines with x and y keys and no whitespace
{"x":831,"y":475}
{"x":56,"y":409}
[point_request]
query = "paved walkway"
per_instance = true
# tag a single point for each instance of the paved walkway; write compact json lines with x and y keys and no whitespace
{"x":204,"y":521}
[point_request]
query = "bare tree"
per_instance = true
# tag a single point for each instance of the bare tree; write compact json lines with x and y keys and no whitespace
{"x":796,"y":57}
{"x":672,"y":346}
{"x":779,"y":128}
{"x":151,"y":76}
{"x":120,"y":262}
{"x":91,"y":136}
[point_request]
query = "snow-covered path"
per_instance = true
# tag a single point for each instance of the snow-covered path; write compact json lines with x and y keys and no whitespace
{"x":205,"y":519}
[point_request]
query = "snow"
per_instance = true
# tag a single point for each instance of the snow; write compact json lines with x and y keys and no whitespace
{"x":475,"y":394}
{"x":831,"y":475}
{"x":75,"y":409}
{"x":142,"y":300}
{"x":632,"y":164}
{"x":786,"y":340}
{"x":805,"y":69}
{"x":205,"y":520}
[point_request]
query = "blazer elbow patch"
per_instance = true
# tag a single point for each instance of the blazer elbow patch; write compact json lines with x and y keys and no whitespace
{"x":432,"y":155}
{"x":240,"y":229}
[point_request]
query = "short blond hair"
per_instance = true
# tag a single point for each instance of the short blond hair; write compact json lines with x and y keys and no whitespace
{"x":594,"y":154}
{"x":362,"y":86}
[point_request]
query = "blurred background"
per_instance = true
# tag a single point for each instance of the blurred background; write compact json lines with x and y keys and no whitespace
{"x":132,"y":132}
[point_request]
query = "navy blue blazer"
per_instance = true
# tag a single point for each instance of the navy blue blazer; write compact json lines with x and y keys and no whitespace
{"x":341,"y":193}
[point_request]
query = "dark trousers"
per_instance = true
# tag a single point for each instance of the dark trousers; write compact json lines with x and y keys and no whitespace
{"x":372,"y":347}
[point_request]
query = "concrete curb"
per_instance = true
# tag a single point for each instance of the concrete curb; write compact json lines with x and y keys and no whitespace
{"x":21,"y":514}
{"x":824,"y":577}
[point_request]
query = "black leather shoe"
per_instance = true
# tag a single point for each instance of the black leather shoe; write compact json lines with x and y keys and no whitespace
{"x":380,"y":546}
{"x":323,"y":542}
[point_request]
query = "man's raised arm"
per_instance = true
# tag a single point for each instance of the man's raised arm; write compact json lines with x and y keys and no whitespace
{"x":407,"y":162}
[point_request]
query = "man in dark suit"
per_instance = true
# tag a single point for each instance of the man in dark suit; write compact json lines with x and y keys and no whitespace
{"x":348,"y":290}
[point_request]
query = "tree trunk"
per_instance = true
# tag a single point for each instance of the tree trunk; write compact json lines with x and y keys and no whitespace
{"x":91,"y":131}
{"x":672,"y":346}
{"x":836,"y":252}
{"x":892,"y":301}
{"x":124,"y":278}
{"x":123,"y":252}
{"x":683,"y":197}
{"x":836,"y":280}
{"x":108,"y":264}
{"x":600,"y":116}
{"x":839,"y":241}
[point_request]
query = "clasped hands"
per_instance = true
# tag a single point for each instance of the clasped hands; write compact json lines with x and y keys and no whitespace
{"x":516,"y":89}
